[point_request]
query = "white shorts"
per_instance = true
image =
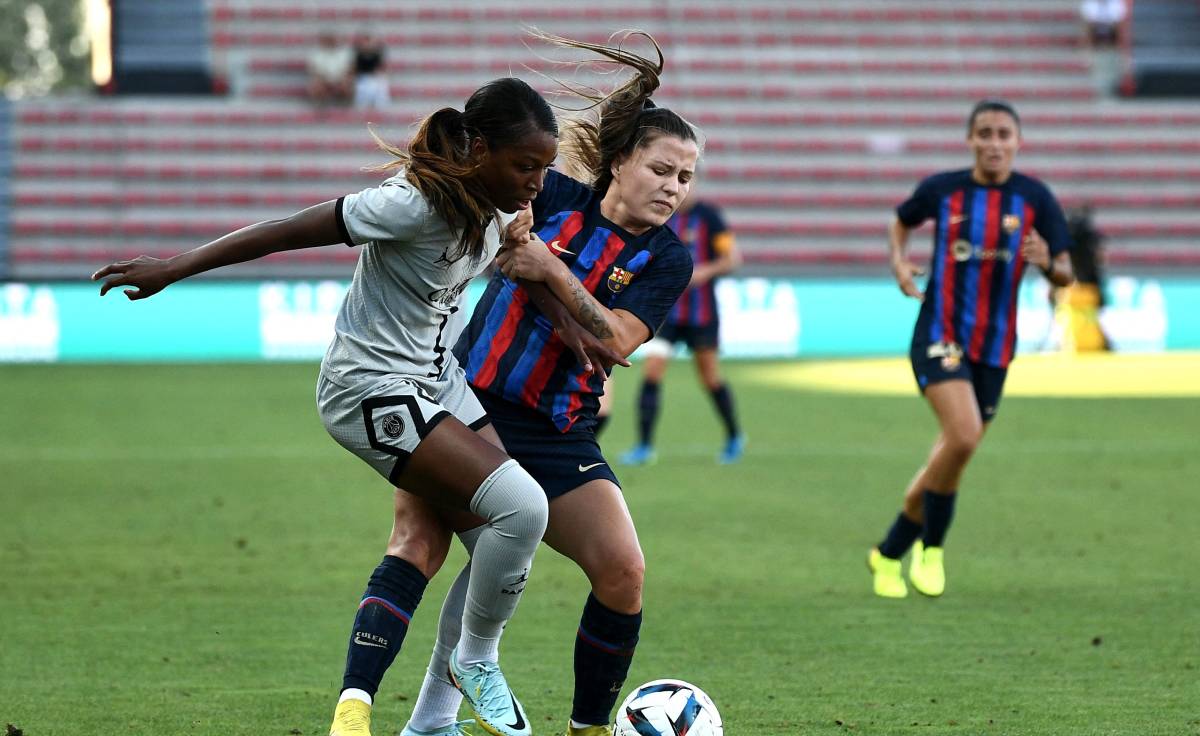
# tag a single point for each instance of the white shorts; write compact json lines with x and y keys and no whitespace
{"x":383,"y":421}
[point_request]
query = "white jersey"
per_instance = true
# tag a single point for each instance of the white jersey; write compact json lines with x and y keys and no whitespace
{"x":406,"y":285}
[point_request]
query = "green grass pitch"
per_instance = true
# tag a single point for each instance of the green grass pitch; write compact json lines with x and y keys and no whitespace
{"x":182,"y":549}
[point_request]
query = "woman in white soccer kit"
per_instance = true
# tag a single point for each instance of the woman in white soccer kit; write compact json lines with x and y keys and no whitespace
{"x":390,"y":390}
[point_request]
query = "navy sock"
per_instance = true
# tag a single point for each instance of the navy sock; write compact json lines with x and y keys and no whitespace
{"x":647,"y":411}
{"x":722,"y":397}
{"x":391,"y":597}
{"x":900,"y":537}
{"x":939,"y":512}
{"x":603,"y":652}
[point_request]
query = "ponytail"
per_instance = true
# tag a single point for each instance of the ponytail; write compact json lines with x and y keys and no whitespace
{"x":438,"y":160}
{"x":621,"y":120}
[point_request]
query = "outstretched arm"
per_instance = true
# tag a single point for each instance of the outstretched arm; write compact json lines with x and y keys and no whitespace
{"x":147,"y":276}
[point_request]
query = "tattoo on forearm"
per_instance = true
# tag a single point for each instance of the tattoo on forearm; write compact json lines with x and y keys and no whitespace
{"x":589,"y":312}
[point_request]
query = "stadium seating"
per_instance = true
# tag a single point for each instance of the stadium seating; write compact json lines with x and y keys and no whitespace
{"x":819,"y":118}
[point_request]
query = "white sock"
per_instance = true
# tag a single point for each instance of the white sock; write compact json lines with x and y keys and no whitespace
{"x":516,"y":509}
{"x":353,"y":693}
{"x":437,"y":705}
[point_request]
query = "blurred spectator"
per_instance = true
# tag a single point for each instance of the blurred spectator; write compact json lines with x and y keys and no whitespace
{"x":1087,"y":252}
{"x":1102,"y":21}
{"x":370,"y":81}
{"x":1078,"y":306}
{"x":329,"y":72}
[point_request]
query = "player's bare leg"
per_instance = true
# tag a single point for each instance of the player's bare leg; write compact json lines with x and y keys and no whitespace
{"x":930,"y":499}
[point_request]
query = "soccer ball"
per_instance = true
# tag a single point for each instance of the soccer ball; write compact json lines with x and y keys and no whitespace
{"x":668,"y":708}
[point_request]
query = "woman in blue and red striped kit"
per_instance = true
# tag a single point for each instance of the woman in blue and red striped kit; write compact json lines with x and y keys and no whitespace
{"x":695,"y":322}
{"x":990,"y":223}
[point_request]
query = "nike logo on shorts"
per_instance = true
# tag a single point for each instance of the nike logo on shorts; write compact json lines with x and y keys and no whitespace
{"x":584,"y":468}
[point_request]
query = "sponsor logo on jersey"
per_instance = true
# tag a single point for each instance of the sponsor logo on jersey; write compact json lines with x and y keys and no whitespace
{"x":449,"y":295}
{"x":961,"y":250}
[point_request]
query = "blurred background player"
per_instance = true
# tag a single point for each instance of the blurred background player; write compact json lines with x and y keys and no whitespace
{"x":329,"y":78}
{"x":988,"y":222}
{"x":694,"y":321}
{"x":604,"y":250}
{"x":391,"y":392}
{"x":1078,"y":305}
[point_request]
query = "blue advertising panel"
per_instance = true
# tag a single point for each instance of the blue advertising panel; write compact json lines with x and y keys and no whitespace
{"x":760,"y":318}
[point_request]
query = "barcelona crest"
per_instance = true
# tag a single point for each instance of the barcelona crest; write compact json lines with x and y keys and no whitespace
{"x":619,"y":279}
{"x":1010,"y":223}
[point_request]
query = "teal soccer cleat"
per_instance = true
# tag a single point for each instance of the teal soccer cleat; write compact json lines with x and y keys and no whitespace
{"x":495,"y":707}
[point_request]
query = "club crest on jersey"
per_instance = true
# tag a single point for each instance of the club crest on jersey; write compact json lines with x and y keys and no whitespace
{"x":622,"y":277}
{"x":1010,"y":223}
{"x":619,"y":279}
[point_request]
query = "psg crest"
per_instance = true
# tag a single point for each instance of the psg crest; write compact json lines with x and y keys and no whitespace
{"x":393,"y":426}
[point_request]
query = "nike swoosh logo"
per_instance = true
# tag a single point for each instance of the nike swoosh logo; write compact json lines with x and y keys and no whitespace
{"x":520,"y":724}
{"x":584,"y":468}
{"x":554,"y":246}
{"x":364,"y":643}
{"x":955,"y":219}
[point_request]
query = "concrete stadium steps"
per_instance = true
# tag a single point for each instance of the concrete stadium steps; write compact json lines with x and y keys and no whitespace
{"x":819,"y":117}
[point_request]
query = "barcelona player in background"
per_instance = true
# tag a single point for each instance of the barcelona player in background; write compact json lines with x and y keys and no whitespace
{"x":990,"y":223}
{"x":695,"y":322}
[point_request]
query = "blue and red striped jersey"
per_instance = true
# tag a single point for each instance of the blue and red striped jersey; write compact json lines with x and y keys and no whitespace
{"x":976,"y":266}
{"x":510,"y":349}
{"x":703,"y":230}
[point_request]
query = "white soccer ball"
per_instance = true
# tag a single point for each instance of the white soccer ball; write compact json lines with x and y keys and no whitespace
{"x":668,"y":708}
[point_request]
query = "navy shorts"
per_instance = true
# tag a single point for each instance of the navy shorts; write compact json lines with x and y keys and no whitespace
{"x":694,"y":336}
{"x":559,"y":461}
{"x":936,"y":362}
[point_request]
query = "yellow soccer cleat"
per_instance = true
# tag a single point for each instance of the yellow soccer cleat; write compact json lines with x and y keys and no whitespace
{"x":889,"y":582}
{"x":351,"y":718}
{"x":926,"y":572}
{"x":589,"y":730}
